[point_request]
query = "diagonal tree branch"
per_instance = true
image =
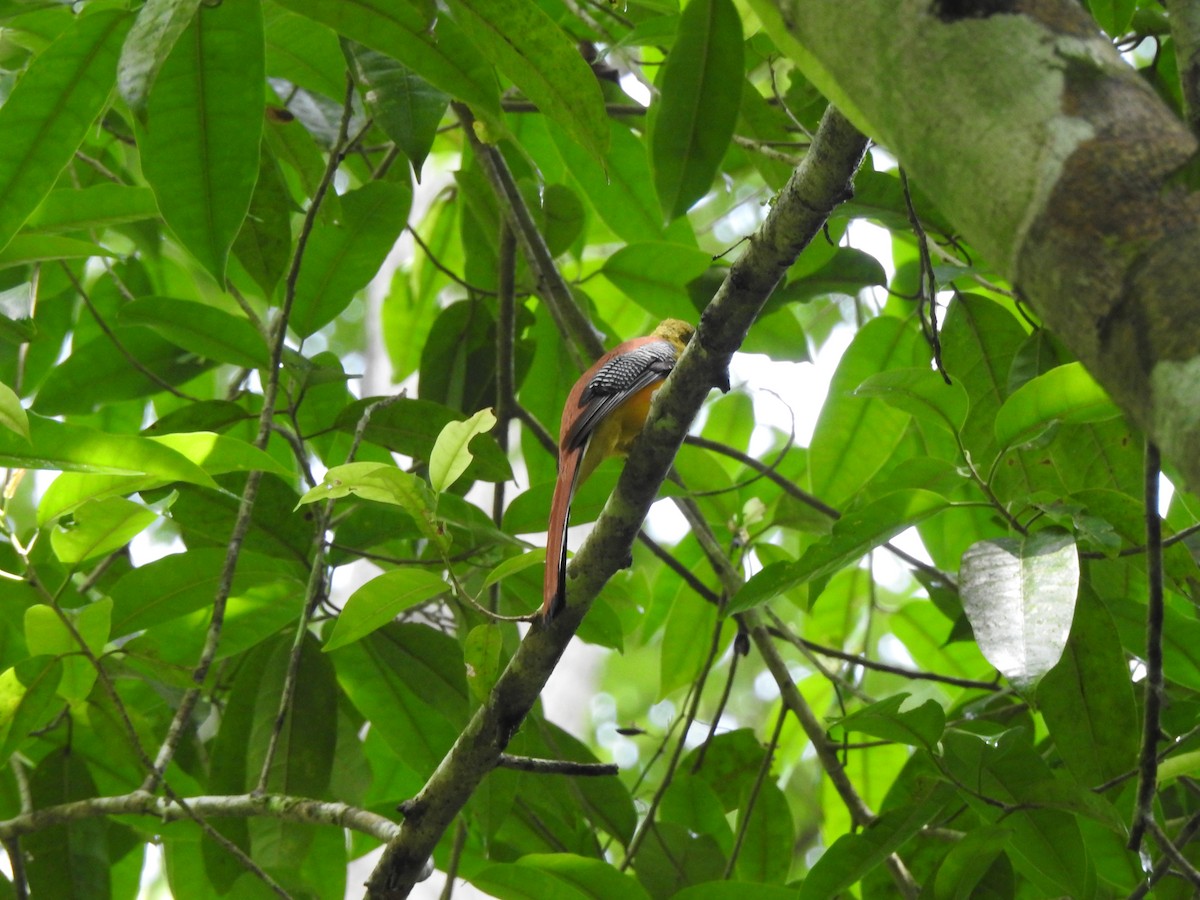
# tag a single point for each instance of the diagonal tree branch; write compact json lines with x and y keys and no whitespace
{"x":821,"y":182}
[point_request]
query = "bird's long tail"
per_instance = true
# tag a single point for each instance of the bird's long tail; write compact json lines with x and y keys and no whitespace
{"x":554,"y":588}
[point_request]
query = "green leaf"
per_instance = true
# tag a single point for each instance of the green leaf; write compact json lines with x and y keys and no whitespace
{"x":852,"y":537}
{"x":406,"y":106}
{"x":1046,"y":843}
{"x":690,"y":802}
{"x":847,"y":272}
{"x":98,"y":373}
{"x":855,"y":436}
{"x":483,"y":653}
{"x":1087,"y":701}
{"x":183,"y":583}
{"x":408,"y":680}
{"x":27,"y":691}
{"x":380,"y":600}
{"x":733,"y":890}
{"x":100,"y":526}
{"x":769,"y":837}
{"x":57,"y":445}
{"x":696,"y":115}
{"x":158,"y":26}
{"x":98,"y":206}
{"x":685,"y":645}
{"x":51,"y":109}
{"x":411,"y":427}
{"x":921,"y":392}
{"x":672,"y":857}
{"x":852,"y":856}
{"x":215,"y":454}
{"x":219,"y":454}
{"x":980,"y":339}
{"x":655,"y":274}
{"x":921,"y":726}
{"x":621,"y":190}
{"x":199,"y":149}
{"x":304,"y":52}
{"x":1064,"y":394}
{"x":1113,"y":16}
{"x":12,"y":414}
{"x":968,"y":862}
{"x":304,"y":748}
{"x":1019,"y":595}
{"x":451,"y":453}
{"x":513,"y":565}
{"x":543,"y":62}
{"x":200,"y":328}
{"x":264,"y":244}
{"x":385,"y":484}
{"x":558,"y":875}
{"x":343,"y":256}
{"x":69,"y":860}
{"x":46,"y":634}
{"x":437,"y":51}
{"x":25,"y":249}
{"x":731,"y":763}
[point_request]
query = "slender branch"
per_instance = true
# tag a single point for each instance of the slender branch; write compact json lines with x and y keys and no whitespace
{"x":460,"y":841}
{"x":146,"y":372}
{"x":639,"y":836}
{"x":1163,"y":866}
{"x":236,"y":806}
{"x":555,"y":766}
{"x":748,"y":807}
{"x":1143,"y":815}
{"x":793,"y":490}
{"x":791,"y":637}
{"x":800,"y":209}
{"x":1179,"y":862}
{"x":688,"y":576}
{"x":860,"y":814}
{"x":551,"y":287}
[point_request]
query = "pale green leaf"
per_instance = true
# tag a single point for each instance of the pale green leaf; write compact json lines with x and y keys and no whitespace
{"x":12,"y":413}
{"x":1064,"y":394}
{"x":380,"y":600}
{"x":1019,"y":594}
{"x":451,"y":452}
{"x":99,"y":527}
{"x":45,"y":634}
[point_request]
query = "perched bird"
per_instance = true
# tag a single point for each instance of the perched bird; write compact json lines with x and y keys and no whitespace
{"x":605,"y":410}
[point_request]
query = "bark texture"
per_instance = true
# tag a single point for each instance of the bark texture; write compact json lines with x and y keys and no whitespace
{"x":1053,"y":158}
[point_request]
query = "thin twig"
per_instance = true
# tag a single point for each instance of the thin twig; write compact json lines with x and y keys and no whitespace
{"x":639,"y":836}
{"x":150,"y":375}
{"x":748,"y":807}
{"x":1143,"y":815}
{"x":237,"y":806}
{"x":788,"y":635}
{"x":555,"y":766}
{"x":553,"y":289}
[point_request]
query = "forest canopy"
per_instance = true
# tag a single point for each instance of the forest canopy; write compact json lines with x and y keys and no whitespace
{"x":292,"y":294}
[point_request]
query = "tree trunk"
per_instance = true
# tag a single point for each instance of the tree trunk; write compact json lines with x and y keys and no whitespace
{"x":1055,"y":160}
